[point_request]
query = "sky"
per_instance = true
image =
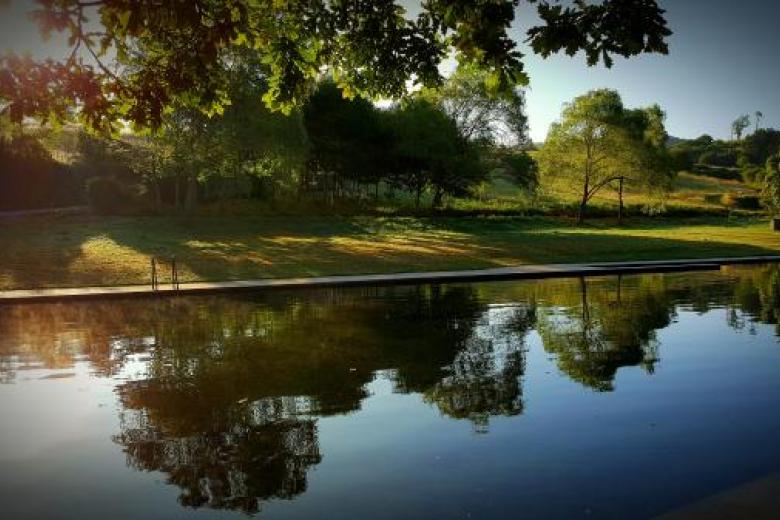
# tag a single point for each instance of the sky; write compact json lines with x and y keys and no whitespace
{"x":722,"y":62}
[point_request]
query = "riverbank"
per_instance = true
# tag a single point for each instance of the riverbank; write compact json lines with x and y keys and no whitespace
{"x":469,"y":275}
{"x":74,"y":251}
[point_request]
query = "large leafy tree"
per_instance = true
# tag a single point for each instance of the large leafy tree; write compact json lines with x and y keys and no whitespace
{"x":133,"y":59}
{"x":481,"y":114}
{"x":349,"y":139}
{"x":648,"y":165}
{"x":581,"y":148}
{"x":598,"y":143}
{"x":229,"y":154}
{"x":430,"y":153}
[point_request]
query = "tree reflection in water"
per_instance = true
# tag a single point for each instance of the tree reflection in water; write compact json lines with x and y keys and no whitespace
{"x":223,"y":394}
{"x":609,"y":328}
{"x":247,"y":454}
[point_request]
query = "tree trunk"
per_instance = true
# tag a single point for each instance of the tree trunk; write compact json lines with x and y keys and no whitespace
{"x":583,"y":204}
{"x":437,"y":197}
{"x":585,"y":311}
{"x":176,"y":197}
{"x":192,"y":193}
{"x":418,"y":194}
{"x":157,"y":194}
{"x":620,"y":204}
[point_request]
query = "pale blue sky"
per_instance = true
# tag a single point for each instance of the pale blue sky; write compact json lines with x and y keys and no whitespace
{"x":722,"y":63}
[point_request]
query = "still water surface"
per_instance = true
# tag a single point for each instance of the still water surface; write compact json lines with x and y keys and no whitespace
{"x":610,"y":397}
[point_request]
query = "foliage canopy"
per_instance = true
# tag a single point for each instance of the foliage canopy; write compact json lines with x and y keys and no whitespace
{"x":133,"y":59}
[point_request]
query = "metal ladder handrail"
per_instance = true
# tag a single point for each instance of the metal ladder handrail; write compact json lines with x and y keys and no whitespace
{"x":174,"y":273}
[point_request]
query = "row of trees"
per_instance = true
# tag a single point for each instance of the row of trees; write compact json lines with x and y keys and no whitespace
{"x":753,"y":149}
{"x":215,"y":77}
{"x":436,"y":142}
{"x":440,"y":142}
{"x":753,"y":158}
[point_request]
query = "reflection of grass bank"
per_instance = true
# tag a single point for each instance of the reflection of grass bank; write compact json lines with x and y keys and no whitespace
{"x":84,"y":250}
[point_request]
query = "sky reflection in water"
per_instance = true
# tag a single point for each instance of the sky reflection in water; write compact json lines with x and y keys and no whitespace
{"x":608,"y":397}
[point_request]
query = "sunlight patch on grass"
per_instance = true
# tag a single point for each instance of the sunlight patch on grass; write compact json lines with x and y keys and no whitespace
{"x":402,"y":247}
{"x":291,"y":240}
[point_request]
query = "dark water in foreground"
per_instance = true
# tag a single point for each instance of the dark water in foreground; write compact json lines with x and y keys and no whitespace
{"x":596,"y":398}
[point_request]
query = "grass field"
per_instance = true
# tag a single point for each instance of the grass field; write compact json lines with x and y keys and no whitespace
{"x":692,"y":194}
{"x":88,"y":250}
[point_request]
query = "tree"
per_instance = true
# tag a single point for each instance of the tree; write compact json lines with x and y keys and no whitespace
{"x":237,"y":153}
{"x":482,"y":114}
{"x":760,"y":145}
{"x":521,"y":168}
{"x":770,"y":193}
{"x":608,"y":329}
{"x":648,"y":165}
{"x":349,"y":138}
{"x":597,"y":142}
{"x":719,"y":154}
{"x":170,"y":52}
{"x":739,"y":125}
{"x":758,"y":117}
{"x":430,"y":152}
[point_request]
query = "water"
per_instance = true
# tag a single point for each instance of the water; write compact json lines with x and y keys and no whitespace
{"x":610,"y":397}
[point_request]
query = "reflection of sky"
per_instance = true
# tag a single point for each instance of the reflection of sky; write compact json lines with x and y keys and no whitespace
{"x":722,"y":64}
{"x":655,"y":441}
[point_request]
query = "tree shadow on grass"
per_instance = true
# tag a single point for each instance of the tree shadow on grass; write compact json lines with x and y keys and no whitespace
{"x":371,"y":247}
{"x":39,"y":251}
{"x":113,"y":251}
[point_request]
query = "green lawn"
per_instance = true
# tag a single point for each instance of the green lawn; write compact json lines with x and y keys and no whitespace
{"x":88,"y":250}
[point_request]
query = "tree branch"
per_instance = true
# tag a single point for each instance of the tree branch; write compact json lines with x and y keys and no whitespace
{"x":601,"y":184}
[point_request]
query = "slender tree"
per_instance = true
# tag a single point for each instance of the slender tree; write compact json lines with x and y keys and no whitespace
{"x":739,"y":125}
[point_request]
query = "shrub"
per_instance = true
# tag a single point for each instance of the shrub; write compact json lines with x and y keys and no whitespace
{"x":741,"y":201}
{"x":752,"y":173}
{"x":681,"y":159}
{"x":772,"y":164}
{"x":108,"y":196}
{"x":718,"y":172}
{"x":30,"y":178}
{"x":725,"y":158}
{"x":770,"y":194}
{"x":713,"y":198}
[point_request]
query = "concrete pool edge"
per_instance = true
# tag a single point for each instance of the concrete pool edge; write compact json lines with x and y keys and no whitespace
{"x":531,"y":271}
